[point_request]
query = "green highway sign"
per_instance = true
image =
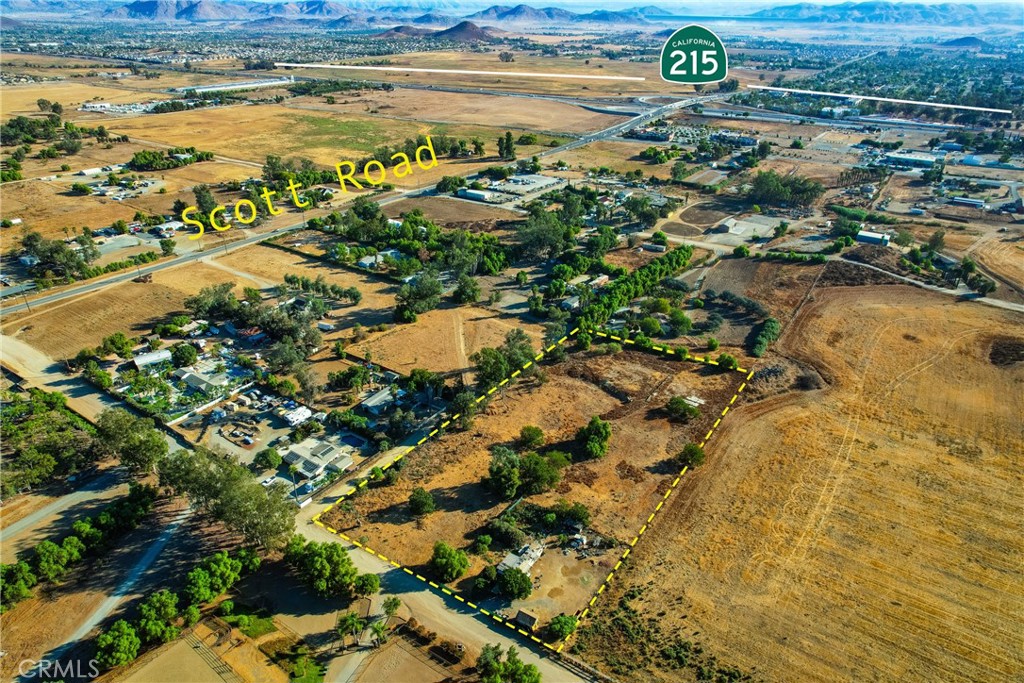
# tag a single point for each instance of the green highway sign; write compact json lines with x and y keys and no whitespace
{"x":694,"y":55}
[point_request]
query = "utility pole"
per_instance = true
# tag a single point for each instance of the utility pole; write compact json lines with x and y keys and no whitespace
{"x":23,"y":296}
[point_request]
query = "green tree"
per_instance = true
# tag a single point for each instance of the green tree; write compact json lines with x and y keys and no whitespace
{"x":73,"y":548}
{"x":538,"y":474}
{"x":156,"y":617}
{"x":562,"y":626}
{"x":268,"y":459}
{"x":503,"y":472}
{"x":678,"y":409}
{"x":205,"y":201}
{"x":167,"y":247}
{"x":492,"y":366}
{"x":380,"y":631}
{"x":595,"y":437}
{"x":134,"y":441}
{"x":16,"y":582}
{"x":391,"y":605}
{"x":191,"y":615}
{"x":421,"y":502}
{"x":679,"y":322}
{"x":531,"y":437}
{"x":692,"y":455}
{"x":741,"y":251}
{"x":184,"y":354}
{"x":712,"y":344}
{"x":465,"y":406}
{"x":418,"y":297}
{"x":366,"y":584}
{"x":325,"y":567}
{"x":448,"y":563}
{"x":117,"y":646}
{"x":350,"y":624}
{"x":51,"y":561}
{"x":515,"y":584}
{"x":467,"y":290}
{"x":727,"y":362}
{"x":482,"y":544}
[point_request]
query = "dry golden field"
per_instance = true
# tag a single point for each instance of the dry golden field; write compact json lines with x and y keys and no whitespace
{"x":525,"y":62}
{"x":21,"y":98}
{"x":252,"y":132}
{"x":466,"y":108}
{"x":869,"y":530}
{"x":62,"y":329}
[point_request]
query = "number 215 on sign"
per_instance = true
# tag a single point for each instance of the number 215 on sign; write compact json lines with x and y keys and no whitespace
{"x":708,"y":61}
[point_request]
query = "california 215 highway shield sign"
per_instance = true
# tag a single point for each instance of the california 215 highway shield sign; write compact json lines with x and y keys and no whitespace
{"x":694,"y":55}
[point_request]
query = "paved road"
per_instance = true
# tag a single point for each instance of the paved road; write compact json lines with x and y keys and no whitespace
{"x":961,"y":292}
{"x":87,"y":492}
{"x":123,"y":591}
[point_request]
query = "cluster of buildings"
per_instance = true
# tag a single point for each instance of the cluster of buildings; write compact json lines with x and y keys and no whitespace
{"x":573,"y":302}
{"x":129,"y":108}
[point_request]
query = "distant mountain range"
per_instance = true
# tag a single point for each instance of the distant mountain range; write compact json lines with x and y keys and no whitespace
{"x":880,"y":12}
{"x":212,"y":10}
{"x":434,"y":19}
{"x":445,"y":13}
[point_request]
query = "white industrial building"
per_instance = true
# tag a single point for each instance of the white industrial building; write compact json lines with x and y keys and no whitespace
{"x":912,"y":159}
{"x":869,"y":237}
{"x":242,"y":85}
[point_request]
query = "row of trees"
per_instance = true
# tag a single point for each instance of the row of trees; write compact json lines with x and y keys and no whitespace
{"x":507,"y":147}
{"x":770,"y":188}
{"x":494,"y":365}
{"x":328,"y":570}
{"x":90,"y":536}
{"x":227,"y":491}
{"x":58,"y":258}
{"x":633,"y":286}
{"x":155,"y":160}
{"x":160,"y":616}
{"x":319,"y":285}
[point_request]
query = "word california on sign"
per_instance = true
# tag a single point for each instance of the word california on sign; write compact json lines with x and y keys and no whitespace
{"x":694,"y":55}
{"x":374,"y":174}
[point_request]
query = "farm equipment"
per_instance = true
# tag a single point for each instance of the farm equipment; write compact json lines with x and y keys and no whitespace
{"x":148,"y":277}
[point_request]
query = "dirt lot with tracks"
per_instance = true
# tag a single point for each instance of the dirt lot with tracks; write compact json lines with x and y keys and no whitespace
{"x":442,"y":340}
{"x":63,"y":329}
{"x":868,"y":530}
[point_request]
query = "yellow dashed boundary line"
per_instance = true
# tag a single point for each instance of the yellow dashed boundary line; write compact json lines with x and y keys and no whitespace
{"x":444,"y":590}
